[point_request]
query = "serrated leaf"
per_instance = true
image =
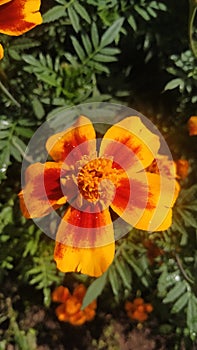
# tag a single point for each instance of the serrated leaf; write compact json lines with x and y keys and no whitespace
{"x":175,"y":292}
{"x":142,"y":12}
{"x":113,"y":279}
{"x":38,"y":108}
{"x":192,"y":314}
{"x":94,"y":290}
{"x":124,"y":273}
{"x":4,"y":134}
{"x":110,"y":51}
{"x":132,"y":22}
{"x":82,"y":11}
{"x":80,"y":52}
{"x":53,"y":14}
{"x":98,"y":66}
{"x":86,"y":43}
{"x":74,"y":18}
{"x":111,"y":33}
{"x":104,"y":58}
{"x":173,"y":84}
{"x":180,"y":303}
{"x":26,"y":132}
{"x":95,"y":35}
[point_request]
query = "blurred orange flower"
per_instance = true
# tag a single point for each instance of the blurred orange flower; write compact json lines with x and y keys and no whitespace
{"x":192,"y":125}
{"x":18,"y":17}
{"x":70,"y":308}
{"x":182,"y":168}
{"x":138,"y":310}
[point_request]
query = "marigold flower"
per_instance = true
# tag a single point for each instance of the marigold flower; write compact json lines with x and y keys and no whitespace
{"x":118,"y":177}
{"x":18,"y":17}
{"x":182,"y":168}
{"x":70,"y":309}
{"x":138,"y":310}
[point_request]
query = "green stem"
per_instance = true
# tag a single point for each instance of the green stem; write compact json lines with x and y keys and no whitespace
{"x":7,"y":93}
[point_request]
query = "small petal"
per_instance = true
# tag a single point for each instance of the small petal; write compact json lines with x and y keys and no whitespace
{"x":131,"y":144}
{"x":85,"y":229}
{"x":67,"y":143}
{"x":145,"y":201}
{"x":90,"y":261}
{"x":192,"y":125}
{"x":1,"y":52}
{"x":60,"y":294}
{"x":42,"y":192}
{"x":19,"y":16}
{"x":85,"y":242}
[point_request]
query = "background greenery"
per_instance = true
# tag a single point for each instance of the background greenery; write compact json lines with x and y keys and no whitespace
{"x":137,"y":53}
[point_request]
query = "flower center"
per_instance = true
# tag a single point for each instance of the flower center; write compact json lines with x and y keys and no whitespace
{"x":92,"y":174}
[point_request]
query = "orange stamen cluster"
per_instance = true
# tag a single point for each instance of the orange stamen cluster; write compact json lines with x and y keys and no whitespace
{"x":70,"y":308}
{"x":192,"y":125}
{"x":91,"y":176}
{"x":138,"y":310}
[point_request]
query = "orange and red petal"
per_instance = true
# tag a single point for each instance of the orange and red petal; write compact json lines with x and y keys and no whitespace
{"x":60,"y":294}
{"x":85,"y":242}
{"x":145,"y":201}
{"x":77,"y":141}
{"x":85,"y":229}
{"x":90,"y":261}
{"x":42,"y":192}
{"x":131,"y":144}
{"x":19,"y":16}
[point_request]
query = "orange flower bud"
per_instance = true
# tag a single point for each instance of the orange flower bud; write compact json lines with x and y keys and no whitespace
{"x":182,"y":167}
{"x":60,"y":294}
{"x":61,"y":313}
{"x":79,"y":291}
{"x":192,"y":125}
{"x":138,"y":301}
{"x":73,"y":305}
{"x":77,"y":319}
{"x":149,"y":308}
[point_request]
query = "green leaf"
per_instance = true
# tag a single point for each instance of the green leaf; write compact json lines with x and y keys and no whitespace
{"x":180,"y":303}
{"x":113,"y":279}
{"x":38,"y":108}
{"x":132,"y":22}
{"x":54,"y":13}
{"x":82,"y":11}
{"x":80,"y":52}
{"x":142,"y":12}
{"x":111,"y":33}
{"x":124,"y":272}
{"x":192,"y":314}
{"x":86,"y":43}
{"x":110,"y":51}
{"x":174,"y":83}
{"x":175,"y":292}
{"x":104,"y":58}
{"x":94,"y":290}
{"x":26,"y":132}
{"x":95,"y":35}
{"x":74,"y":18}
